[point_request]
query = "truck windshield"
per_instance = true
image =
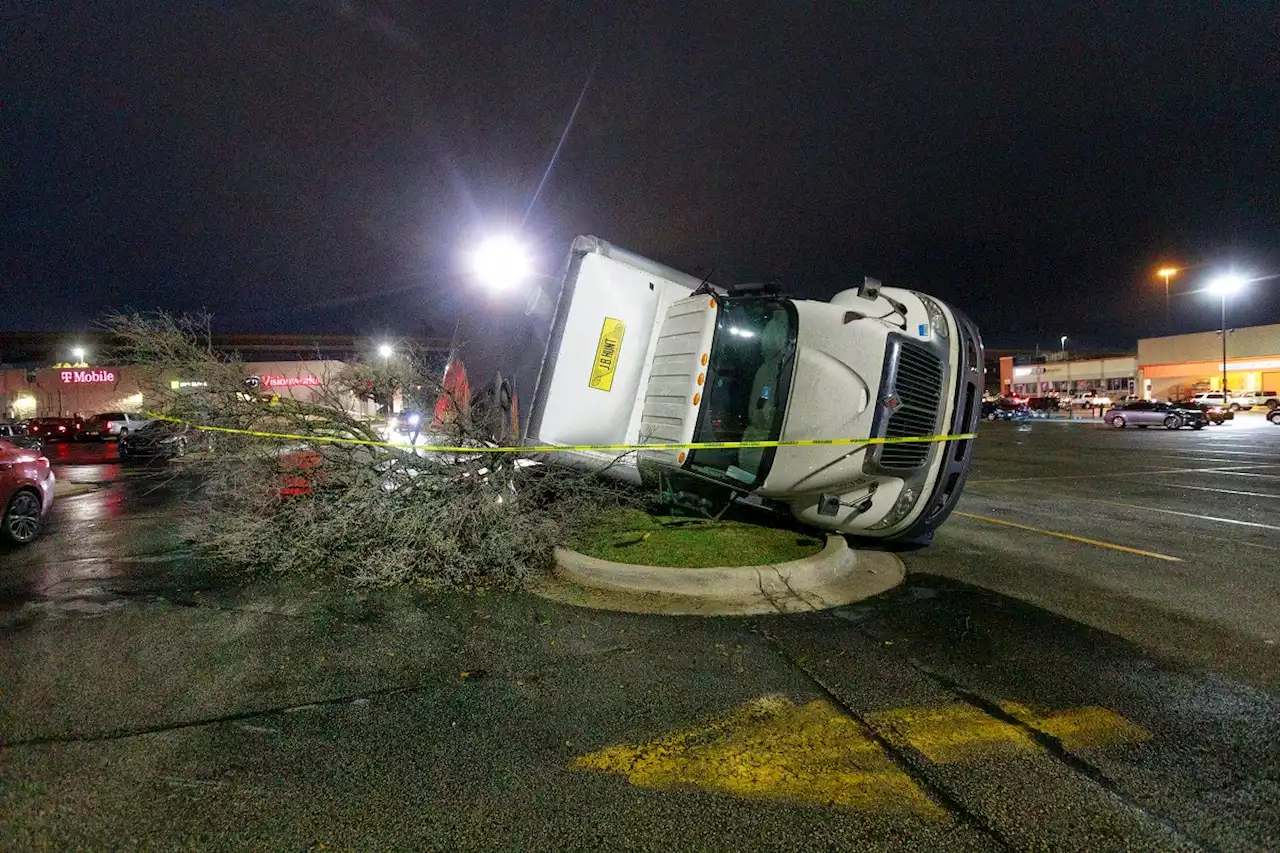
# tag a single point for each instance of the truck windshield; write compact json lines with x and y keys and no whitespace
{"x":748,"y":376}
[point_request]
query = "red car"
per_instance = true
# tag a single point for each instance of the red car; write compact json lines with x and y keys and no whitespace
{"x":26,"y":493}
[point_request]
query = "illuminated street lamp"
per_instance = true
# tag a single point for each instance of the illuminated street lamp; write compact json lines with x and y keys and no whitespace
{"x":78,"y":354}
{"x":1167,"y":273}
{"x":385,"y":350}
{"x":500,"y":263}
{"x":1224,"y":286}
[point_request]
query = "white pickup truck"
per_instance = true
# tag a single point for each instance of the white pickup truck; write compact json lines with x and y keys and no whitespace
{"x":1238,"y":400}
{"x":1086,"y":400}
{"x":628,"y":351}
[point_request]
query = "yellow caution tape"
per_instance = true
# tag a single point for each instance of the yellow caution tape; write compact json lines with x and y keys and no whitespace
{"x":559,"y":448}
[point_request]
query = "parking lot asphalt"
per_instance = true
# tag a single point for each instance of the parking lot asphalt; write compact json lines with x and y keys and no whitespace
{"x":1185,"y":530}
{"x":1084,"y":659}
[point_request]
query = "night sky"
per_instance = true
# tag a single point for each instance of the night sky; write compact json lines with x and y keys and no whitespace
{"x":308,"y":167}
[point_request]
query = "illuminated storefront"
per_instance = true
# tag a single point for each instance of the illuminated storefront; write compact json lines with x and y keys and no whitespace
{"x":1181,"y":365}
{"x":1113,"y":375}
{"x":87,"y":390}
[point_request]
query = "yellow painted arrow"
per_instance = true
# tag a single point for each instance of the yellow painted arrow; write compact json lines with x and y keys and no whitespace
{"x":810,"y":753}
{"x":815,"y":753}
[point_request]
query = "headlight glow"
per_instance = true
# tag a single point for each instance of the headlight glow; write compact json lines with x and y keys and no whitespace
{"x":937,"y":320}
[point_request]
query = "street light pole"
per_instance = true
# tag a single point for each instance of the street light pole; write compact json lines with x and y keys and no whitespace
{"x":1225,"y":403}
{"x":1062,"y":344}
{"x":1224,"y":286}
{"x":1167,"y":273}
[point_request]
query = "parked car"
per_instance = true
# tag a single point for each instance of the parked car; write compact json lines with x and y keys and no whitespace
{"x":56,"y":429}
{"x":1249,"y":399}
{"x":1086,"y":400}
{"x":1214,"y":414}
{"x":26,"y":493}
{"x":1143,"y":414}
{"x":114,"y":425}
{"x":1003,"y":409}
{"x":1236,"y":401}
{"x":162,"y":440}
{"x":19,"y":436}
{"x":1042,"y":404}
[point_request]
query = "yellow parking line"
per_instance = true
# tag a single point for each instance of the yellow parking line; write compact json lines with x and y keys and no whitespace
{"x":1099,"y":543}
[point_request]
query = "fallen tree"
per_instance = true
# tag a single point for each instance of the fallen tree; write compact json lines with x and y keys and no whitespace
{"x":314,"y":487}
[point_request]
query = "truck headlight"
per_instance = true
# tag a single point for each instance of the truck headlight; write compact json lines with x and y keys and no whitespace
{"x":901,"y":507}
{"x":937,"y":320}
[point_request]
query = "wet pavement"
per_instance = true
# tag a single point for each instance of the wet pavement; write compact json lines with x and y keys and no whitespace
{"x":1085,"y":660}
{"x":103,"y":545}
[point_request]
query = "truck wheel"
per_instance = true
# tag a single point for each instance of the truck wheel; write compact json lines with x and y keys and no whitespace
{"x":1118,"y":422}
{"x":1172,"y":422}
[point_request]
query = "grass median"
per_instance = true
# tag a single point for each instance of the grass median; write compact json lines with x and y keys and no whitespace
{"x":635,"y":536}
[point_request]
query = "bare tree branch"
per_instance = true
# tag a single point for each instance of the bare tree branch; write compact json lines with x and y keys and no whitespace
{"x":373,"y":514}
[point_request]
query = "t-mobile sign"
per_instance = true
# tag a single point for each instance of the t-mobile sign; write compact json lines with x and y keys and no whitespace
{"x":81,"y":377}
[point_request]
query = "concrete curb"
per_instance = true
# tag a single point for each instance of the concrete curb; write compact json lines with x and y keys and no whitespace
{"x":835,"y":576}
{"x":68,"y":489}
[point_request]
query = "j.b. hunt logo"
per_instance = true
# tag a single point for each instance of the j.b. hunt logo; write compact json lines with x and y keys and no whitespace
{"x":78,"y":377}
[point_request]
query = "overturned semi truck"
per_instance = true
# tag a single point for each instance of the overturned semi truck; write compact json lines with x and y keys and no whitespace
{"x":624,"y":350}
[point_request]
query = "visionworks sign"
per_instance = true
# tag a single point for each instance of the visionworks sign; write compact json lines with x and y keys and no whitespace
{"x":81,"y":377}
{"x":289,"y":381}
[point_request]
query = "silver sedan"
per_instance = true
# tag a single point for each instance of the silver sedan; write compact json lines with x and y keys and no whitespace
{"x":1144,"y":413}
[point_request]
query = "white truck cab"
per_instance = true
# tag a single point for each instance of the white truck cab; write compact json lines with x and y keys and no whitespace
{"x":635,"y":352}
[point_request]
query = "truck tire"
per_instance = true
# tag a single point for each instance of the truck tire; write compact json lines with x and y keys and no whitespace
{"x":490,"y":411}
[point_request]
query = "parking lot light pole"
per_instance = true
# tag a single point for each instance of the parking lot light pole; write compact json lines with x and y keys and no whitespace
{"x":1224,"y":286}
{"x":1062,"y":344}
{"x":1167,"y":273}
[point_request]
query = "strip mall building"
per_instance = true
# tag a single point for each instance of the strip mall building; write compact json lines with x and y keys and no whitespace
{"x":91,"y":389}
{"x":1182,"y":364}
{"x":1163,"y":368}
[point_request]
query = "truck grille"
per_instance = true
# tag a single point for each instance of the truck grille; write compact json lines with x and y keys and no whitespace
{"x":918,"y":385}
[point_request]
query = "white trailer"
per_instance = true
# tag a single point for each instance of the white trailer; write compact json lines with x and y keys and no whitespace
{"x":629,"y":351}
